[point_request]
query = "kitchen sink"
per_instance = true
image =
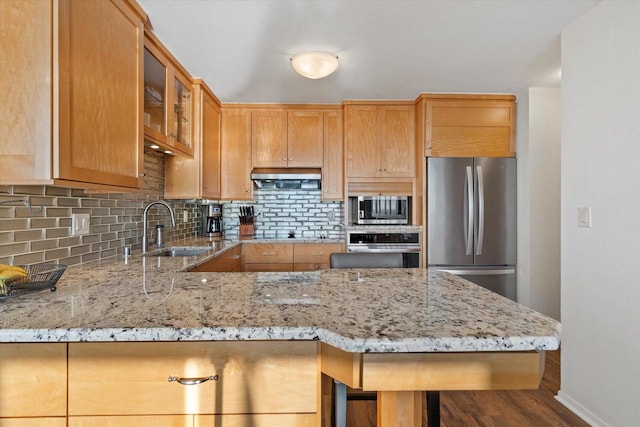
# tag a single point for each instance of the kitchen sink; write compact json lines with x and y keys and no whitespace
{"x":178,"y":252}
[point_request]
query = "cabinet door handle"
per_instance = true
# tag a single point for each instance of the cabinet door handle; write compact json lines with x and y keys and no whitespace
{"x":317,"y":253}
{"x":193,"y":381}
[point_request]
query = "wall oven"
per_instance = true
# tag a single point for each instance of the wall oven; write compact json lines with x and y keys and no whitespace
{"x":406,"y":242}
{"x":376,"y":210}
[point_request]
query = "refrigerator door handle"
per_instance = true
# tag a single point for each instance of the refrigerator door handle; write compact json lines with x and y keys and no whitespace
{"x":480,"y":236}
{"x":468,"y":231}
{"x":493,"y":272}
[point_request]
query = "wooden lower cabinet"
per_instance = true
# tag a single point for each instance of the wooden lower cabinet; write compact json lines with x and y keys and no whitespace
{"x":272,"y":257}
{"x":268,"y":267}
{"x":257,"y":377}
{"x":289,"y":256}
{"x":256,"y":420}
{"x":235,"y":420}
{"x":33,"y":383}
{"x":133,"y":421}
{"x":314,"y":256}
{"x":34,"y":422}
{"x":268,"y":256}
{"x":230,"y":261}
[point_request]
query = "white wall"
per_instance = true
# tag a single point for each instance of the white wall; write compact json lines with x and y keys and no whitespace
{"x":523,"y":270}
{"x":601,"y":169}
{"x":538,"y":148}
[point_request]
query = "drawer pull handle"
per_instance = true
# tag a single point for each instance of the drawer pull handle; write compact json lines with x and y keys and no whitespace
{"x":193,"y":381}
{"x":268,"y":253}
{"x":235,"y":256}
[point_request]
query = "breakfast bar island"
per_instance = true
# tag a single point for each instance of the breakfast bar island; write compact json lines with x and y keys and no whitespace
{"x":142,"y":341}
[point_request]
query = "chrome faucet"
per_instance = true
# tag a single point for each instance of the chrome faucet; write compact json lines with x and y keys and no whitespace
{"x":145,"y":242}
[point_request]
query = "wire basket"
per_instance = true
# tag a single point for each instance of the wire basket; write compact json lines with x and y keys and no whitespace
{"x":39,"y":277}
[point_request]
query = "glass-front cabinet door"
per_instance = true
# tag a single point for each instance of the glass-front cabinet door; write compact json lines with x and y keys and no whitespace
{"x":155,"y":93}
{"x":168,"y":101}
{"x":182,"y":113}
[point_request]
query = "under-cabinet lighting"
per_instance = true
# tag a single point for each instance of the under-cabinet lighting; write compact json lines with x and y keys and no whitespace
{"x":154,"y":146}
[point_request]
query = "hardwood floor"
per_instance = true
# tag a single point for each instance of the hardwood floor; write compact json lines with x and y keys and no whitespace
{"x":526,"y":408}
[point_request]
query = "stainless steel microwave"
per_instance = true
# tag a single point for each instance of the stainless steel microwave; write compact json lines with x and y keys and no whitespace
{"x":380,"y":209}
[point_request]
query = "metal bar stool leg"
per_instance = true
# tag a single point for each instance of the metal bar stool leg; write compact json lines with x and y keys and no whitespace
{"x":433,"y":408}
{"x":340,"y":404}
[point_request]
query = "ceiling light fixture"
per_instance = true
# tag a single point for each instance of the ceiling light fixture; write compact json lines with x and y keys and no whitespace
{"x":314,"y":64}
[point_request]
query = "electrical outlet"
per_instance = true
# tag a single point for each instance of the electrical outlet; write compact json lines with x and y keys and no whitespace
{"x":185,"y":216}
{"x":80,"y":224}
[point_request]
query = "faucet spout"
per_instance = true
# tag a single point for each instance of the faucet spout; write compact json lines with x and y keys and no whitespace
{"x":145,"y":239}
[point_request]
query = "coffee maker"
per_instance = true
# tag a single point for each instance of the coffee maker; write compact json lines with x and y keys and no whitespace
{"x":211,"y":220}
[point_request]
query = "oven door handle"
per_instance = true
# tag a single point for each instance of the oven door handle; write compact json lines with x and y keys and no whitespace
{"x":370,"y":250}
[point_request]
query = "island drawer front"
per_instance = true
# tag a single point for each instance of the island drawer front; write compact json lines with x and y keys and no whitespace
{"x":254,"y":420}
{"x":33,"y":380}
{"x":34,"y":422}
{"x":315,"y":253}
{"x":268,"y":252}
{"x":452,"y":371}
{"x":128,"y":378}
{"x":261,"y":420}
{"x":133,"y":421}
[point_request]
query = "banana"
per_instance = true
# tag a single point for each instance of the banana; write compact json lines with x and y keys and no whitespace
{"x":9,"y":272}
{"x":7,"y":267}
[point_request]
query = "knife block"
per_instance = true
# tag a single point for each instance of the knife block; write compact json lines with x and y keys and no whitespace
{"x":247,"y":229}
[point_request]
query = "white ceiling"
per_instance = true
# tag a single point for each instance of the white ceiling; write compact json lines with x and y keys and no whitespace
{"x":388,"y":49}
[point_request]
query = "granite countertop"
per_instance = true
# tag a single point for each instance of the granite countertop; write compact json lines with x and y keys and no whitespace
{"x":377,"y":310}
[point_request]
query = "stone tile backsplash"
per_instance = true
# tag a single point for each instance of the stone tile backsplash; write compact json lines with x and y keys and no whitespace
{"x":116,"y":220}
{"x":282,"y":211}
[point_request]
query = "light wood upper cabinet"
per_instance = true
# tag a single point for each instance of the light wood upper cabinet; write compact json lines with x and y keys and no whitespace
{"x":380,"y":140}
{"x":269,"y":138}
{"x":286,"y":138}
{"x":168,"y":99}
{"x":235,"y":163}
{"x":71,"y":72}
{"x":467,"y":125}
{"x":332,"y":165}
{"x":198,"y":178}
{"x":305,"y":138}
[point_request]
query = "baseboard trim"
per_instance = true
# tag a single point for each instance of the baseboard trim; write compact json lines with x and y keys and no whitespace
{"x":588,"y":416}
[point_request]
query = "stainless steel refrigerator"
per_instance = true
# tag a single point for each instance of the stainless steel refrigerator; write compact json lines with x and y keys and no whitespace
{"x":471,"y":208}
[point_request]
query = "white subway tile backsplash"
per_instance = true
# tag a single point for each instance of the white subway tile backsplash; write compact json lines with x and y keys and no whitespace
{"x":282,"y":211}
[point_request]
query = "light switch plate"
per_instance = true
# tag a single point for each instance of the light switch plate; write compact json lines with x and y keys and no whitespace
{"x":80,"y":224}
{"x":584,"y":216}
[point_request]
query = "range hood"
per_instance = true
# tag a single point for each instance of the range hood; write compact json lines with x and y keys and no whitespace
{"x":287,"y":178}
